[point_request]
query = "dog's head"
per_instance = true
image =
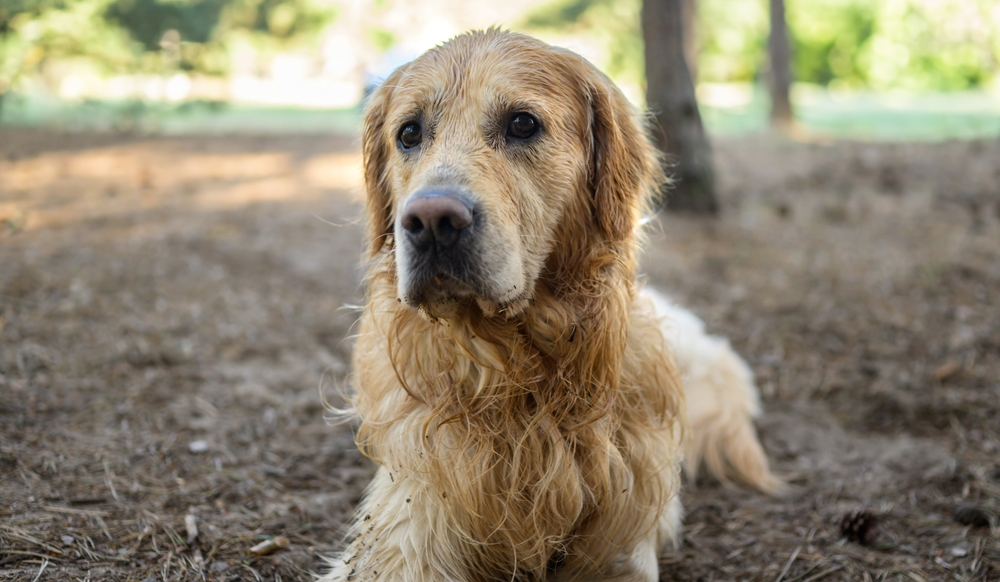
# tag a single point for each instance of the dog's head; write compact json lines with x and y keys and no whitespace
{"x":490,"y":162}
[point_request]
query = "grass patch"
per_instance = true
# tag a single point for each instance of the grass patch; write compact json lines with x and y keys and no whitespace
{"x":858,"y":115}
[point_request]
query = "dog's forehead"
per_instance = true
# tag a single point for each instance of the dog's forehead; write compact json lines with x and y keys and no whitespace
{"x":484,"y":70}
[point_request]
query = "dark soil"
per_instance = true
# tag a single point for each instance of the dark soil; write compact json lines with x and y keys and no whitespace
{"x":175,"y":312}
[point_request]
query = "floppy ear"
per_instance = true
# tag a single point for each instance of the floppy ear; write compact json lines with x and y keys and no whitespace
{"x":374,"y":150}
{"x":625,"y":170}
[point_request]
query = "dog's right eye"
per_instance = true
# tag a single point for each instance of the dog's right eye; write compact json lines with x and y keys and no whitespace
{"x":522,"y":126}
{"x":410,"y":136}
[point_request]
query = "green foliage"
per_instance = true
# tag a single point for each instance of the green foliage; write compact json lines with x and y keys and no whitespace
{"x":34,"y":31}
{"x":11,"y":8}
{"x":279,"y":19}
{"x":905,"y":44}
{"x":151,"y":36}
{"x":615,"y":23}
{"x":731,"y":39}
{"x":731,"y":35}
{"x":560,"y":13}
{"x":382,"y":39}
{"x":949,"y":45}
{"x":197,"y":34}
{"x":148,"y":20}
{"x":828,"y":37}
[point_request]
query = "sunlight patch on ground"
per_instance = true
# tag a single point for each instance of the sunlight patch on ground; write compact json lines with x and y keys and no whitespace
{"x":335,"y":171}
{"x":105,"y":183}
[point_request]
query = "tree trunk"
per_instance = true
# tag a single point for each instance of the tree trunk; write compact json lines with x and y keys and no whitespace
{"x":670,"y":97}
{"x":781,"y":74}
{"x":689,"y":25}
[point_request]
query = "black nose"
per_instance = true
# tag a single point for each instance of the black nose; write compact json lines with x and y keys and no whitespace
{"x":436,"y":217}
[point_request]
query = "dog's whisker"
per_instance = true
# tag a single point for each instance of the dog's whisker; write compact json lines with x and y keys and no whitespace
{"x":335,"y":224}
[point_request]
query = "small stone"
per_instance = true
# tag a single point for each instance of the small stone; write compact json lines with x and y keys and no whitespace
{"x":973,"y":515}
{"x":959,"y":552}
{"x":191,"y":525}
{"x":67,"y":540}
{"x":198,"y":447}
{"x":219,"y":566}
{"x":946,"y":370}
{"x":270,"y":546}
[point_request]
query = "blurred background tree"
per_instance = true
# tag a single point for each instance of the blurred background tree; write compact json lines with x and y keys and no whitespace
{"x":223,"y":47}
{"x":779,"y":67}
{"x":613,"y":23}
{"x":196,"y":35}
{"x":149,"y":36}
{"x":918,"y":45}
{"x":670,"y":95}
{"x":32,"y":31}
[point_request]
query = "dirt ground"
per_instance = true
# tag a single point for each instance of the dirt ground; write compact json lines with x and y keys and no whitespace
{"x":174,"y":312}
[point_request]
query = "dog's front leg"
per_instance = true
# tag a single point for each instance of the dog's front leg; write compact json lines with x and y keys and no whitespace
{"x":400,"y":535}
{"x":640,"y":566}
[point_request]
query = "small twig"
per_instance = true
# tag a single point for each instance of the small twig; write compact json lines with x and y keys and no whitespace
{"x":808,"y":571}
{"x":40,"y":570}
{"x":72,"y":511}
{"x":109,"y":480}
{"x":23,"y":536}
{"x":138,"y":541}
{"x":791,"y":560}
{"x":104,"y":527}
{"x":166,"y":567}
{"x":824,"y":573}
{"x":27,"y":553}
{"x":256,"y":575}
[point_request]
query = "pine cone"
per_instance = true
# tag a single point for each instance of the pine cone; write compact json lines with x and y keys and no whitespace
{"x":973,"y":515}
{"x":859,"y":526}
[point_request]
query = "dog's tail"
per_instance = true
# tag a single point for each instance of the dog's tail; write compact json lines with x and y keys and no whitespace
{"x":722,"y":402}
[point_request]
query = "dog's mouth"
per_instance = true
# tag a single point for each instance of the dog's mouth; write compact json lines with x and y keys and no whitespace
{"x":442,"y":295}
{"x":434,"y":288}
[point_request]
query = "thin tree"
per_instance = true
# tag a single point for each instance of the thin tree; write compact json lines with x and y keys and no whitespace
{"x":671,"y":99}
{"x":690,"y":27}
{"x":781,"y":74}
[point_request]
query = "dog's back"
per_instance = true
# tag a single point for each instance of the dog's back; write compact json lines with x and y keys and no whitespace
{"x":722,"y":401}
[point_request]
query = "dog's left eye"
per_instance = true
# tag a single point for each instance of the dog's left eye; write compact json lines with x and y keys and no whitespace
{"x":522,"y":126}
{"x":410,"y":136}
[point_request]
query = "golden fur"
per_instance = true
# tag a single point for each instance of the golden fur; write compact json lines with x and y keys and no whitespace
{"x":533,"y":430}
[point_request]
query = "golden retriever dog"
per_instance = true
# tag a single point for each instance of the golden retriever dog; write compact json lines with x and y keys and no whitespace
{"x":520,"y":394}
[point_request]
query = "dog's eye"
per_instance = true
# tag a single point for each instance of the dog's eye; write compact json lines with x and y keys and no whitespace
{"x":410,"y":136}
{"x":522,"y":126}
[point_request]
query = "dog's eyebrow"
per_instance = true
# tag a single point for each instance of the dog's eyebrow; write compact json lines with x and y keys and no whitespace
{"x":436,"y":100}
{"x":425,"y":103}
{"x":401,"y":116}
{"x":503,"y":108}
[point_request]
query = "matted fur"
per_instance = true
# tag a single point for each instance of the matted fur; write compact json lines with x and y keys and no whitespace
{"x":534,"y":431}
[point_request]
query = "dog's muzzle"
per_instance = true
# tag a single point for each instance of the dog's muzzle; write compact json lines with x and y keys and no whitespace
{"x":438,"y":228}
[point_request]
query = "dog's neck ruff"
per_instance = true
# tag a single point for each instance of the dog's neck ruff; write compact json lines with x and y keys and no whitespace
{"x":516,"y":424}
